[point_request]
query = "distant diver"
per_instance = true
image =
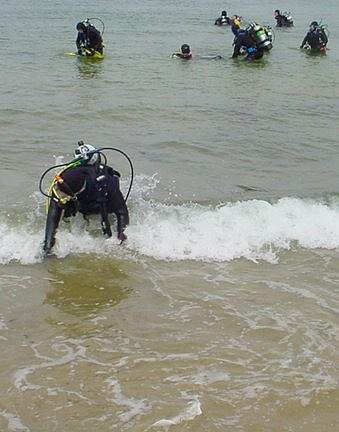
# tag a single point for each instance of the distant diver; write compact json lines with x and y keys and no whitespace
{"x":185,"y":53}
{"x":283,"y":19}
{"x":89,"y":39}
{"x":223,"y":19}
{"x":89,"y":186}
{"x":316,"y":38}
{"x":252,"y":42}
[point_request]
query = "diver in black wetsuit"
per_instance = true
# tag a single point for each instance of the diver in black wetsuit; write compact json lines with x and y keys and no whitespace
{"x":89,"y":188}
{"x":223,"y":19}
{"x":255,"y":40}
{"x":89,"y":38}
{"x":244,"y":40}
{"x":283,"y":20}
{"x":316,"y":38}
{"x":185,"y":53}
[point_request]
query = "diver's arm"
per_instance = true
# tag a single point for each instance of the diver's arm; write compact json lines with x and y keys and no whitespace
{"x":324,"y":37}
{"x":52,"y":223}
{"x":303,"y":43}
{"x":236,"y":51}
{"x":79,"y":41}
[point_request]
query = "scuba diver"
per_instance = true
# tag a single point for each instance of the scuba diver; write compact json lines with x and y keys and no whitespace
{"x":89,"y":39}
{"x":88,"y":186}
{"x":253,"y":42}
{"x":223,"y":19}
{"x":185,"y":53}
{"x":316,"y":38}
{"x":283,"y":20}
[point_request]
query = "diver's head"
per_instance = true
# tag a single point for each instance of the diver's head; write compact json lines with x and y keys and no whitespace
{"x":185,"y":49}
{"x":81,"y":27}
{"x":236,"y":20}
{"x":277,"y":12}
{"x":224,"y":13}
{"x":314,"y":25}
{"x":87,"y":153}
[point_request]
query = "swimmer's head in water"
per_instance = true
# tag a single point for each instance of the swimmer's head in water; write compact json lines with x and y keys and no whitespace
{"x":185,"y":49}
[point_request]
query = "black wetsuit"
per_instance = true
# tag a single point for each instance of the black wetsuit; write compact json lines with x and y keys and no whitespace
{"x":316,"y":39}
{"x":244,"y":40}
{"x":282,"y":21}
{"x":90,"y":39}
{"x":223,"y":20}
{"x":93,"y":189}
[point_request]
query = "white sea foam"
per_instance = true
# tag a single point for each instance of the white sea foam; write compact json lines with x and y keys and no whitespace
{"x":21,"y":382}
{"x":254,"y":229}
{"x":3,"y":325}
{"x":14,"y":422}
{"x":193,"y":410}
{"x":134,"y":406}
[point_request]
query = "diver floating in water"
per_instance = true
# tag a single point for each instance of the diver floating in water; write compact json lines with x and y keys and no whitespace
{"x":223,"y":19}
{"x":283,"y":20}
{"x":89,"y":39}
{"x":316,"y":38}
{"x":185,"y":53}
{"x":253,"y":42}
{"x":89,"y":186}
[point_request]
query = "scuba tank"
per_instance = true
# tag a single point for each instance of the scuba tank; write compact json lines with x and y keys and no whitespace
{"x":260,"y":36}
{"x":269,"y":33}
{"x":288,"y":17}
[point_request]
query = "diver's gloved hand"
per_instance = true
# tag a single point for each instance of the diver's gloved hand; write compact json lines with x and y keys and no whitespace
{"x":80,"y":51}
{"x":122,"y":237}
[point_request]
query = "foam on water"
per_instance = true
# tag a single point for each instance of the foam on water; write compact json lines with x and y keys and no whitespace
{"x":253,"y":229}
{"x":14,"y":422}
{"x":135,"y":407}
{"x":193,"y":410}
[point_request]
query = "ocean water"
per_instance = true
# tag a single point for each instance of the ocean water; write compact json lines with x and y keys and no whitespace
{"x":221,"y":311}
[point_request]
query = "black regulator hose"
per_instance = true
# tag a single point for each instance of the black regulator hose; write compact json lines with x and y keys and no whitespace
{"x":43,"y":176}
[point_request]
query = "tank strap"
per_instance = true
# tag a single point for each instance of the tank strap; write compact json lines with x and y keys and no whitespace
{"x":101,"y":186}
